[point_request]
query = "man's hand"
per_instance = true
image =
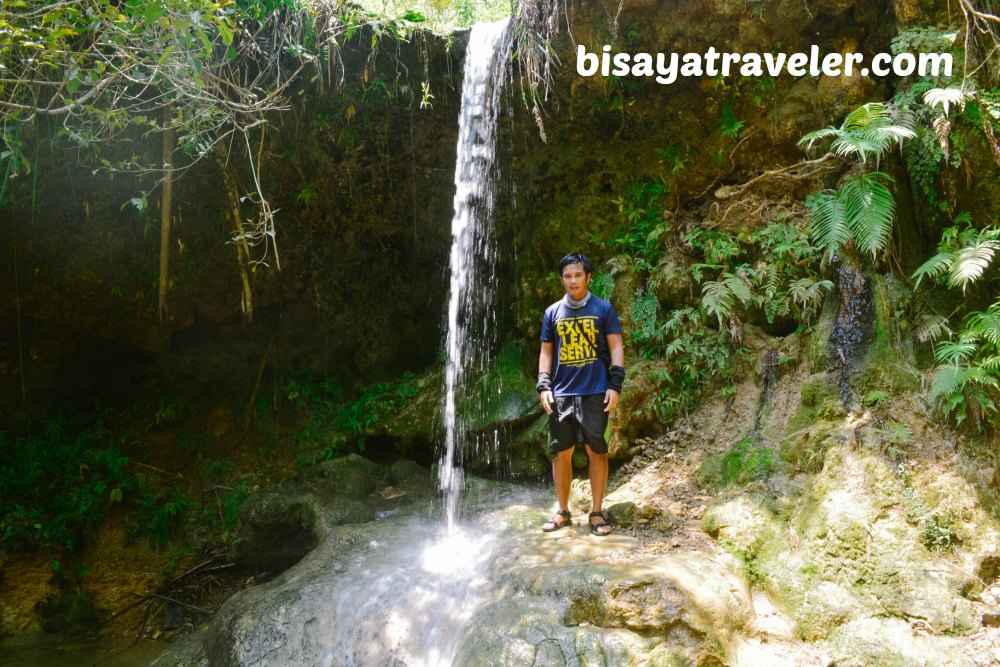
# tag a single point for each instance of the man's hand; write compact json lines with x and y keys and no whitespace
{"x":547,"y":401}
{"x":610,"y":400}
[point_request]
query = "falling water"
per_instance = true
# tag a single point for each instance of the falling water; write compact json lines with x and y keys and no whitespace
{"x":853,"y":325}
{"x":472,"y":324}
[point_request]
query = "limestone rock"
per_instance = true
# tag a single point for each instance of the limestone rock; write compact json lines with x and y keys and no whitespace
{"x":891,"y":641}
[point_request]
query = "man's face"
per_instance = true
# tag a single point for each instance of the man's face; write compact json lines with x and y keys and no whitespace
{"x":575,"y":281}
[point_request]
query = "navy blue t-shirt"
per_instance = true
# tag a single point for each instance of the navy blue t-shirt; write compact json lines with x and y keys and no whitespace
{"x":581,"y":356}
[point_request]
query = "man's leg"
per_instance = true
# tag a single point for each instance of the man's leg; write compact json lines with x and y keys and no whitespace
{"x":598,"y":483}
{"x":562,"y":475}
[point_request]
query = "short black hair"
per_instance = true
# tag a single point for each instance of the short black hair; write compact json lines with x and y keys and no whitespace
{"x":576,"y":258}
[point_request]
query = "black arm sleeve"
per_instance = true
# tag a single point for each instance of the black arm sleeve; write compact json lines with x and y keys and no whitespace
{"x":544,"y":382}
{"x":616,"y":378}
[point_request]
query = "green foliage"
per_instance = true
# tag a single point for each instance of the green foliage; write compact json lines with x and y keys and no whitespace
{"x":603,"y":285}
{"x":779,"y":282}
{"x":59,"y":483}
{"x":159,"y":507}
{"x":331,"y":423}
{"x":923,"y":40}
{"x":717,"y":247}
{"x":56,"y":484}
{"x":936,"y":527}
{"x":896,"y":436}
{"x":306,"y":195}
{"x":866,"y":132}
{"x":696,"y":356}
{"x":860,"y":211}
{"x":675,"y":157}
{"x":642,"y":224}
{"x":223,"y":516}
{"x":745,"y":462}
{"x":968,"y":376}
{"x":729,"y":125}
{"x":644,"y":317}
{"x":963,"y":254}
{"x":441,"y":16}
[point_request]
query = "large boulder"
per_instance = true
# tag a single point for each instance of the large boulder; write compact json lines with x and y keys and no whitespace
{"x":857,"y":539}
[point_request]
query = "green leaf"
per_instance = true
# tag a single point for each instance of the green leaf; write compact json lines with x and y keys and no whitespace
{"x":870,"y":210}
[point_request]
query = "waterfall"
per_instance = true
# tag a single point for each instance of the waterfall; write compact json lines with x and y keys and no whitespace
{"x":471,"y":316}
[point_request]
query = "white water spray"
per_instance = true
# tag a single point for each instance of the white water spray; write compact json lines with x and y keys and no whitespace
{"x":471,"y":316}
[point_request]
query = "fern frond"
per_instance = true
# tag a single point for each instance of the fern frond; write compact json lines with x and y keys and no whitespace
{"x":739,"y":287}
{"x":990,"y":364}
{"x":932,"y":327}
{"x":971,"y":261}
{"x":986,"y":325}
{"x":618,"y":264}
{"x":870,"y":209}
{"x":675,"y":346}
{"x":866,"y":116}
{"x":717,"y":299}
{"x":955,"y":352}
{"x":935,"y":267}
{"x":812,"y":137}
{"x":946,"y":381}
{"x":867,"y":131}
{"x":945,"y":97}
{"x":829,"y":229}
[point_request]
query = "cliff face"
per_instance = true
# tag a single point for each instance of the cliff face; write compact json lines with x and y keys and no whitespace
{"x":363,"y":180}
{"x":363,"y":177}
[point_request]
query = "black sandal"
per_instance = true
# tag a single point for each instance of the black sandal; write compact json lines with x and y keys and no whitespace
{"x":553,"y":525}
{"x":595,"y":527}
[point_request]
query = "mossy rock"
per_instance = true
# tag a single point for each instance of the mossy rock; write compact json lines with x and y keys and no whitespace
{"x":855,"y":535}
{"x":818,"y":343}
{"x":527,"y":454}
{"x":411,"y":477}
{"x":417,"y":427}
{"x":635,"y":415}
{"x":891,"y":642}
{"x":817,"y":390}
{"x":350,"y":476}
{"x":804,"y":450}
{"x":68,"y":611}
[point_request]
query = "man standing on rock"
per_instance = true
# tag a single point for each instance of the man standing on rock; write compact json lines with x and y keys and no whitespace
{"x":580,"y":376}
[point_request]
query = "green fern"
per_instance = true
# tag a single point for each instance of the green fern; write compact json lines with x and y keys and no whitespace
{"x":719,"y":298}
{"x":808,"y":294}
{"x":968,"y":377}
{"x":644,"y":325}
{"x":860,"y":211}
{"x":963,"y":256}
{"x":870,"y":210}
{"x":829,"y":229}
{"x":868,"y":131}
{"x":986,"y":325}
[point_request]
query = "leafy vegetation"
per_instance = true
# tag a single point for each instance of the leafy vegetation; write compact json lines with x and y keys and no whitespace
{"x":59,"y":484}
{"x":330,"y":425}
{"x":963,"y":254}
{"x":745,"y":462}
{"x":860,"y":212}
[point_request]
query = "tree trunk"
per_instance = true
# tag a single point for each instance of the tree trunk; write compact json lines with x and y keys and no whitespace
{"x":166,"y":210}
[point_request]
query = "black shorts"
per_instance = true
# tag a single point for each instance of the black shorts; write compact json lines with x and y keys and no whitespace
{"x":578,"y":420}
